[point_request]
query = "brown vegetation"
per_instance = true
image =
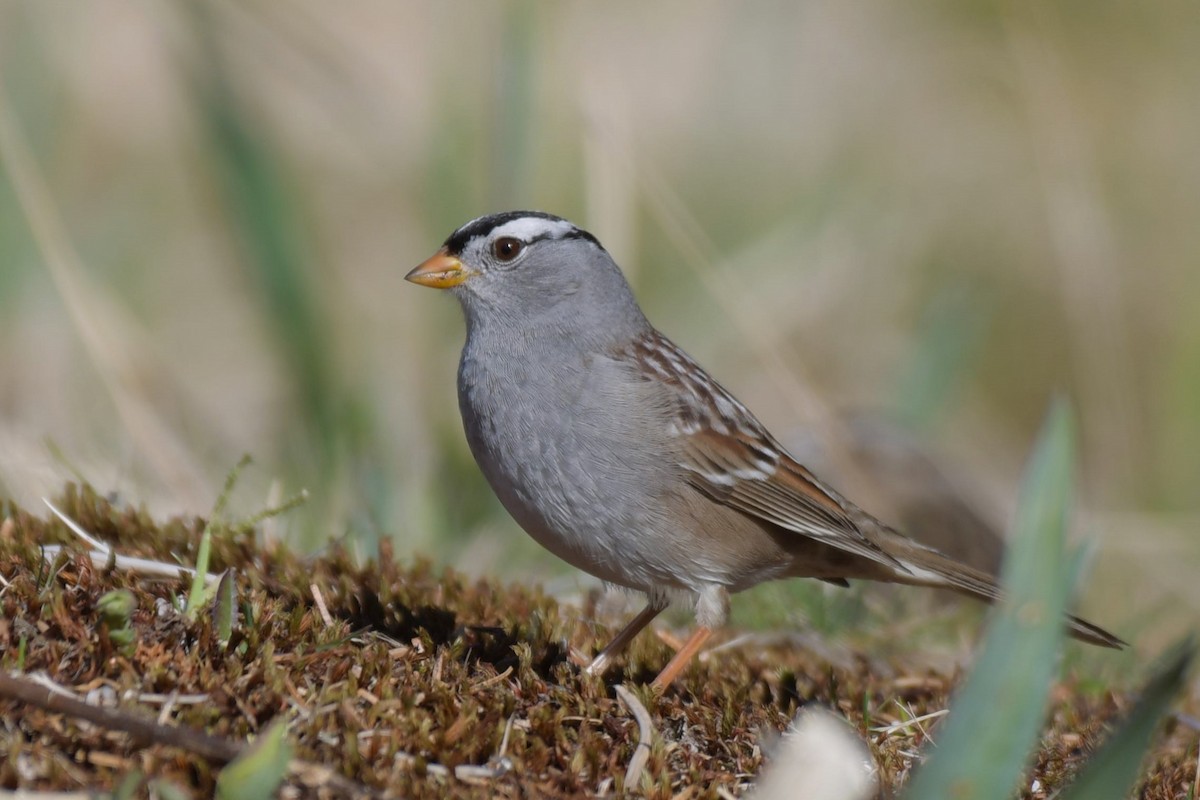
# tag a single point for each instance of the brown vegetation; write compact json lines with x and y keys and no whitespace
{"x":413,"y":682}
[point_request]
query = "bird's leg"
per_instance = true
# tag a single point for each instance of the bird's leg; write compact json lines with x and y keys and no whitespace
{"x":712,"y":609}
{"x":682,"y":658}
{"x":621,"y":640}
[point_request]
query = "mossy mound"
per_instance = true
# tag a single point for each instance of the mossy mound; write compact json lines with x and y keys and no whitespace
{"x":401,"y":678}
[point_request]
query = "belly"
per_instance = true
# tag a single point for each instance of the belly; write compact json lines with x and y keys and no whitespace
{"x":557,"y":498}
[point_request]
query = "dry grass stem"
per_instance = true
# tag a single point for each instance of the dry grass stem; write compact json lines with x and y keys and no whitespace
{"x":319,"y":599}
{"x":907,"y":724}
{"x":641,"y":753}
{"x":104,"y":557}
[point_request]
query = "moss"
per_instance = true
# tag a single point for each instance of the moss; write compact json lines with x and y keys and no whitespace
{"x":421,"y":670}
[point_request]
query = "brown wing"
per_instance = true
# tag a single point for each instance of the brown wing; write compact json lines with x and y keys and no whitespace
{"x":731,"y":458}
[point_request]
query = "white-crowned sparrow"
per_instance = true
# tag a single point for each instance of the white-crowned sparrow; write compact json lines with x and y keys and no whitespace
{"x":618,"y":453}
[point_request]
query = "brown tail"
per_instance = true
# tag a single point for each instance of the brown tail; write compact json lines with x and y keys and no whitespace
{"x":931,"y":568}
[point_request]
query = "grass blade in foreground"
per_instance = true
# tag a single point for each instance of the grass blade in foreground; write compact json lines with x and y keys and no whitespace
{"x":257,"y":773}
{"x":994,"y":721}
{"x":1110,"y":772}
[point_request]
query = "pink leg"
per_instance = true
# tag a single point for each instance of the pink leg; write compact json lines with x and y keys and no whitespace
{"x":682,"y":658}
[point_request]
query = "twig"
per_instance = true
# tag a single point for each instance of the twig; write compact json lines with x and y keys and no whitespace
{"x":497,"y":766}
{"x":43,"y":680}
{"x":476,"y":774}
{"x":158,"y":698}
{"x":76,"y":528}
{"x":409,"y":761}
{"x":645,"y":730}
{"x":103,"y":556}
{"x":319,"y":599}
{"x":103,"y":559}
{"x":45,"y":698}
{"x":910,"y":722}
{"x":164,"y":713}
{"x":494,"y":679}
{"x":512,"y":718}
{"x":52,"y":698}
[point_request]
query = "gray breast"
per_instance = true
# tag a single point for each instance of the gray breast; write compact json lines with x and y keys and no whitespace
{"x":552,"y":435}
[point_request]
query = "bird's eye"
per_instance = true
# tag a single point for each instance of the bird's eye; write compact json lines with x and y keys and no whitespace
{"x":506,"y":248}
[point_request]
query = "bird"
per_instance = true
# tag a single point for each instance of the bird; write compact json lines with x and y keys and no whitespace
{"x":621,"y":455}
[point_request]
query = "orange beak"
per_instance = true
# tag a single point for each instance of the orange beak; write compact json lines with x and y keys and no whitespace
{"x":439,"y":271}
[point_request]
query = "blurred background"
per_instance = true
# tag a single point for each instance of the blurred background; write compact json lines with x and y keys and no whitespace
{"x":896,"y":232}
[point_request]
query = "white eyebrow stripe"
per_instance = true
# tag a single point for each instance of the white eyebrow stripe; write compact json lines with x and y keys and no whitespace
{"x":529,"y":228}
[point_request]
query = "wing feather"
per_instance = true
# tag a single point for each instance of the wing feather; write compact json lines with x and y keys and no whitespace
{"x":731,"y":458}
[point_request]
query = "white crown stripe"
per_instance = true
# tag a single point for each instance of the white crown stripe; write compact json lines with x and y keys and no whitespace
{"x":529,"y":228}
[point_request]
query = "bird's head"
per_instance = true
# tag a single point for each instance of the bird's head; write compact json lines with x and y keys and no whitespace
{"x":529,"y":267}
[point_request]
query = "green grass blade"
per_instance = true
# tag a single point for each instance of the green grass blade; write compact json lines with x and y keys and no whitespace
{"x":128,"y":788}
{"x":1110,"y":773}
{"x":201,"y":592}
{"x":257,"y":773}
{"x":994,"y":721}
{"x":224,"y":608}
